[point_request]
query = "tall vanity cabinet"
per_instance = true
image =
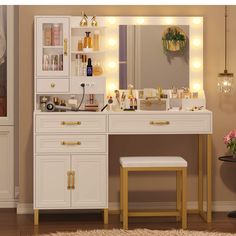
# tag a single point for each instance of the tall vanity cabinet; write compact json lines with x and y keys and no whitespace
{"x":70,"y":149}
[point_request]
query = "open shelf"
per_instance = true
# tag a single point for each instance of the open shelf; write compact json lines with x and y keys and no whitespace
{"x":82,"y":52}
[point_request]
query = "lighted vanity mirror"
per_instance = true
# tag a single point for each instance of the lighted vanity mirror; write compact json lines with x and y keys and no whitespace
{"x":182,"y":70}
{"x":148,"y":60}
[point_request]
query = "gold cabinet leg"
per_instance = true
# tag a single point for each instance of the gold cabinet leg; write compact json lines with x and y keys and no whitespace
{"x":105,"y":216}
{"x":121,"y":194}
{"x":209,"y":178}
{"x":200,"y":173}
{"x":125,"y":198}
{"x":178,"y":193}
{"x":36,"y":216}
{"x":184,"y":198}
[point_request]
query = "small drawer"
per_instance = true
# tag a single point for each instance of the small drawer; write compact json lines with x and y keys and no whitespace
{"x":191,"y":123}
{"x":52,"y":85}
{"x":70,"y":123}
{"x":70,"y":143}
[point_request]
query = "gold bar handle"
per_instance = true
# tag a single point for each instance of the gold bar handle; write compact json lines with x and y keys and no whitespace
{"x":71,"y":123}
{"x":73,"y":180}
{"x":68,"y":180}
{"x":65,"y":47}
{"x":71,"y":143}
{"x":159,"y":122}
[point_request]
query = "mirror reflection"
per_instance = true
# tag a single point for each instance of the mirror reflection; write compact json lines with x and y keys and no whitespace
{"x":153,"y":55}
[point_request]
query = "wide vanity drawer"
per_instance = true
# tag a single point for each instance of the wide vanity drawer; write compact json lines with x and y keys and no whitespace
{"x":52,"y":85}
{"x":70,"y":123}
{"x":70,"y":143}
{"x":163,"y":123}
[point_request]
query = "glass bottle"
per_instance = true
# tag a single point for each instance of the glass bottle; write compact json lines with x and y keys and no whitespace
{"x":87,"y":42}
{"x":96,"y":40}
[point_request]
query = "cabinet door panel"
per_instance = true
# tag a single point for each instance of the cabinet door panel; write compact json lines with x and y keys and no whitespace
{"x":51,"y":182}
{"x":90,"y":181}
{"x":52,"y":46}
{"x":7,"y":163}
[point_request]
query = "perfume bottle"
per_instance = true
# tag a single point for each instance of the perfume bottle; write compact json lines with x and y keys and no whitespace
{"x":96,"y":40}
{"x":87,"y":42}
{"x":97,"y":69}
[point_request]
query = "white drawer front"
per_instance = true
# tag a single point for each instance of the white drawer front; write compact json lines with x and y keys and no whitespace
{"x":70,"y":123}
{"x":52,"y":85}
{"x":70,"y":143}
{"x":163,"y":123}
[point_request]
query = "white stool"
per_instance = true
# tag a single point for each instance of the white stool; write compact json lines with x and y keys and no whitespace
{"x":159,"y":163}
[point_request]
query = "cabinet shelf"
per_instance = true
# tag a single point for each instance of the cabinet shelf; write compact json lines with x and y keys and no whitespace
{"x":88,"y":77}
{"x":92,"y":52}
{"x":87,"y":27}
{"x":52,"y":47}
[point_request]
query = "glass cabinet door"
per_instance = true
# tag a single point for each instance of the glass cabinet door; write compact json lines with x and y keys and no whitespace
{"x":52,"y":46}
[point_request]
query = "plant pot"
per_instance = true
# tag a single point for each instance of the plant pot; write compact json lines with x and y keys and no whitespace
{"x":173,"y":45}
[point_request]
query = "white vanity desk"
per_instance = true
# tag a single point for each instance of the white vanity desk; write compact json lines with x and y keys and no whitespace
{"x":77,"y":175}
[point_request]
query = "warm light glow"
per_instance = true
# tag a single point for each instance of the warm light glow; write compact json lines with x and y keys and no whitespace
{"x":111,"y":20}
{"x":196,"y":87}
{"x":112,"y":42}
{"x":196,"y":42}
{"x":196,"y":64}
{"x":112,"y":64}
{"x":197,"y":20}
{"x":111,"y":87}
{"x":169,"y":20}
{"x":140,"y":20}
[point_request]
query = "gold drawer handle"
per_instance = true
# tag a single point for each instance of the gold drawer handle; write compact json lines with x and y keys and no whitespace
{"x":53,"y":85}
{"x":71,"y":123}
{"x":70,"y":143}
{"x":65,"y":47}
{"x":73,"y":180}
{"x":68,"y":180}
{"x":159,"y":122}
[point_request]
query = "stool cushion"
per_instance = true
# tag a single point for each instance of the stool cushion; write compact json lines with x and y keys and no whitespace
{"x":153,"y":161}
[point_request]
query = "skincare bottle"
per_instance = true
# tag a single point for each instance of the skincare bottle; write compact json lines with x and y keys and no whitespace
{"x":97,"y":69}
{"x":96,"y":40}
{"x":135,"y":104}
{"x":89,"y":68}
{"x":80,"y":44}
{"x":131,"y":103}
{"x":87,"y":42}
{"x":84,"y":65}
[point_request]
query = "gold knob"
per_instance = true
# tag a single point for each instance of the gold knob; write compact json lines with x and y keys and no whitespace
{"x":70,"y":143}
{"x":71,"y":123}
{"x":52,"y":85}
{"x":159,"y":122}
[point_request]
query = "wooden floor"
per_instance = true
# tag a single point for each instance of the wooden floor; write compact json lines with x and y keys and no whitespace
{"x":22,"y":225}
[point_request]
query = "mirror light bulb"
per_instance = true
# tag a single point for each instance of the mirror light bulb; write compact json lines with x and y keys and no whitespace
{"x":112,"y":42}
{"x":112,"y":64}
{"x":196,"y":42}
{"x":196,"y":87}
{"x":169,"y":20}
{"x":197,"y":20}
{"x":140,"y":20}
{"x":197,"y":64}
{"x":111,"y":20}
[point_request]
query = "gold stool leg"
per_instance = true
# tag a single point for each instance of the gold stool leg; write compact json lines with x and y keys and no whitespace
{"x":178,"y":194}
{"x":36,"y":216}
{"x":105,"y":216}
{"x":121,"y":194}
{"x":184,"y":201}
{"x":125,"y":198}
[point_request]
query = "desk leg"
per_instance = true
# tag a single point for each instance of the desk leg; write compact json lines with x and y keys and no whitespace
{"x":200,"y":174}
{"x":125,"y":198}
{"x":209,"y":178}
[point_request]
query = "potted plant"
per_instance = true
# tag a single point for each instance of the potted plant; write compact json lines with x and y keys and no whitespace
{"x":230,"y":141}
{"x":174,"y":39}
